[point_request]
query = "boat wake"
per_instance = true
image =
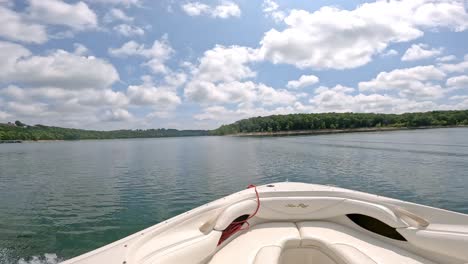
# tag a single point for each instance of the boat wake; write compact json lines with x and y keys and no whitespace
{"x":47,"y":258}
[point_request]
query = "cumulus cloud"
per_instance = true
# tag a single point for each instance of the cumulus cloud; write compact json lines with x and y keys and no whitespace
{"x":343,"y":99}
{"x":419,"y":52}
{"x":224,"y":10}
{"x":56,"y":12}
{"x":116,"y":115}
{"x":458,"y":81}
{"x":129,"y":30}
{"x":152,"y":96}
{"x":222,"y":74}
{"x":339,"y":39}
{"x":446,"y":58}
{"x":4,"y":115}
{"x":125,"y":3}
{"x":304,"y":81}
{"x":60,"y":106}
{"x":226,"y":64}
{"x":15,"y":27}
{"x":416,"y":82}
{"x":59,"y":69}
{"x":157,"y":54}
{"x":271,"y":9}
{"x":221,"y":114}
{"x":60,"y":87}
{"x":389,"y":53}
{"x":206,"y":92}
{"x":116,"y":14}
{"x":455,"y":67}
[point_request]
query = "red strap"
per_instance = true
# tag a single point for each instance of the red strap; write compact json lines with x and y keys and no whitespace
{"x":235,"y":227}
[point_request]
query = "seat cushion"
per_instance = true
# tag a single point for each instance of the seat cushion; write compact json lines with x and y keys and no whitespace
{"x":345,"y":243}
{"x":244,"y":248}
{"x":268,"y":255}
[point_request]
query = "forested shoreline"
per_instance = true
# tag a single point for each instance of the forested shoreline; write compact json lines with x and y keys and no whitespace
{"x":268,"y":125}
{"x":19,"y":131}
{"x":342,"y":121}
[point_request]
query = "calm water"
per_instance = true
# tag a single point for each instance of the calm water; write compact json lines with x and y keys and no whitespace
{"x":66,"y":198}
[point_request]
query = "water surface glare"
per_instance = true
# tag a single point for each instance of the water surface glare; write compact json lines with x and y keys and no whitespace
{"x":61,"y":199}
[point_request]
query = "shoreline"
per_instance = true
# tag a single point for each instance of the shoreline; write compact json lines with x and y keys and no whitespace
{"x":333,"y":131}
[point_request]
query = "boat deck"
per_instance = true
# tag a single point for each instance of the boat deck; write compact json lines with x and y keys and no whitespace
{"x":311,"y":242}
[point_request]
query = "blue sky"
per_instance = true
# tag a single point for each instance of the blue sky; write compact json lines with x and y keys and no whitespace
{"x":108,"y":64}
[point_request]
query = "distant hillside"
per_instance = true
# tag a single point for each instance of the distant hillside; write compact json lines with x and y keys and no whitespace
{"x":20,"y":131}
{"x":327,"y":121}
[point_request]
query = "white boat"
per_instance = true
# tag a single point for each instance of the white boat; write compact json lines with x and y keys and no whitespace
{"x":296,"y":223}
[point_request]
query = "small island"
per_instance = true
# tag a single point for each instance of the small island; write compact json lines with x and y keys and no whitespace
{"x":275,"y":125}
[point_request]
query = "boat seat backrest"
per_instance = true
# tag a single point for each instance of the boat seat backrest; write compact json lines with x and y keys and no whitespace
{"x":307,"y":208}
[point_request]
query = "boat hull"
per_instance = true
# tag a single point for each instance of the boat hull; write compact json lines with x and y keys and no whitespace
{"x":433,"y":234}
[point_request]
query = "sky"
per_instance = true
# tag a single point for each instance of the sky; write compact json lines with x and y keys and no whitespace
{"x":112,"y":64}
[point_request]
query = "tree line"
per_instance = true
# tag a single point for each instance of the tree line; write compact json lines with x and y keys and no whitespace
{"x":274,"y":123}
{"x":295,"y":122}
{"x":20,"y":131}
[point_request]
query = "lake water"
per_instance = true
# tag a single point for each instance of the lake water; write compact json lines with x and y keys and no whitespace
{"x":61,"y":199}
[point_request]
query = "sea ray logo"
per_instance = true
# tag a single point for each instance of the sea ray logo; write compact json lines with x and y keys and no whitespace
{"x":301,"y":205}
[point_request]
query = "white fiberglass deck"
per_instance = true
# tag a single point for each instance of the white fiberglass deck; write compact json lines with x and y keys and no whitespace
{"x":312,"y":242}
{"x":297,"y":223}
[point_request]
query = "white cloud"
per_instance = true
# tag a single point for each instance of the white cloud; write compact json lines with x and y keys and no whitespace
{"x":455,"y":67}
{"x":152,"y":96}
{"x":60,"y":106}
{"x":195,"y":8}
{"x":221,"y":77}
{"x":389,"y":53}
{"x":341,"y":39}
{"x":270,"y":8}
{"x":125,"y":3}
{"x":80,"y":49}
{"x":29,"y":109}
{"x":446,"y":58}
{"x":206,"y":92}
{"x":458,"y":81}
{"x":58,"y":69}
{"x":116,"y":14}
{"x":15,"y":27}
{"x":224,"y":10}
{"x":116,"y":115}
{"x":4,"y":115}
{"x":226,"y":64}
{"x":157,"y":54}
{"x":175,"y":79}
{"x":161,"y":99}
{"x":129,"y":30}
{"x":269,"y":96}
{"x":416,"y":82}
{"x":341,"y":99}
{"x":223,"y":115}
{"x":85,"y":97}
{"x":304,"y":81}
{"x":419,"y":52}
{"x":56,"y":12}
{"x":9,"y":54}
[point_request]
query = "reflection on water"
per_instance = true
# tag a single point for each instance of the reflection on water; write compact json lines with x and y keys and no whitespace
{"x":67,"y":198}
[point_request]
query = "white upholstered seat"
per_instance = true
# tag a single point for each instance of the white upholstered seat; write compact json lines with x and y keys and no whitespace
{"x":350,"y":245}
{"x":311,"y":242}
{"x":244,"y":248}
